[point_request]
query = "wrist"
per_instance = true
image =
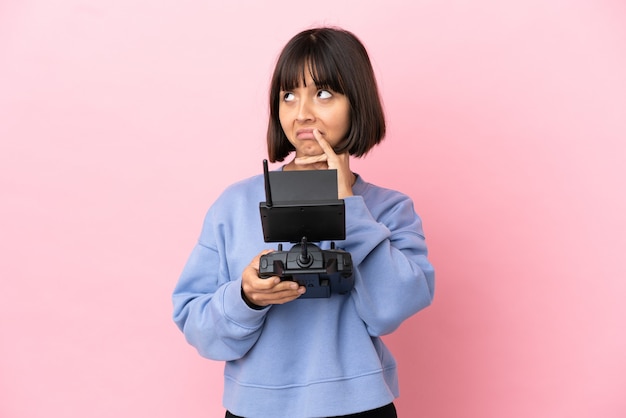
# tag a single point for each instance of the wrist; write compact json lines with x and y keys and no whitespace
{"x":249,"y":303}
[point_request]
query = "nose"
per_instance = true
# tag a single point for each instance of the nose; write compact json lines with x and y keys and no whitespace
{"x":305,"y":111}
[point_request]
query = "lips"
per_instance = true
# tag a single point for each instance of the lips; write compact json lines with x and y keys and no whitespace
{"x":305,"y":134}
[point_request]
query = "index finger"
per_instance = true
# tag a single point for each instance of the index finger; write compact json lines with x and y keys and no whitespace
{"x":323,"y":143}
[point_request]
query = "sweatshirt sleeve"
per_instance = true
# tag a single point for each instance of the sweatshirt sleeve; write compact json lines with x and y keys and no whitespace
{"x":393,"y":277}
{"x":208,"y":307}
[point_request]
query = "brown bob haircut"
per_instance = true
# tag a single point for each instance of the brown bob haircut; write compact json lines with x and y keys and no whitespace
{"x":338,"y":61}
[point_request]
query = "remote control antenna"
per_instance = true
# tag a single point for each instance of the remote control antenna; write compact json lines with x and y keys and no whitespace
{"x":268,"y":191}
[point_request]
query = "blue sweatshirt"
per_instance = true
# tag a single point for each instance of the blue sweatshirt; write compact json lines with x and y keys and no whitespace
{"x":309,"y":357}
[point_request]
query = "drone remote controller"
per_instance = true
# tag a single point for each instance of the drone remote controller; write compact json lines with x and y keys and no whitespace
{"x":321,"y":272}
{"x":306,"y":208}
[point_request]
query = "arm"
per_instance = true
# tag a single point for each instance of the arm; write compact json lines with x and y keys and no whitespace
{"x":208,"y":306}
{"x":393,"y":277}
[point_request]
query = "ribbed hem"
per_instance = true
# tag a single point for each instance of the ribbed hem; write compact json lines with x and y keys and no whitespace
{"x":320,"y":399}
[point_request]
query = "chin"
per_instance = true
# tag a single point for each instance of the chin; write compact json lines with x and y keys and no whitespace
{"x":312,"y":150}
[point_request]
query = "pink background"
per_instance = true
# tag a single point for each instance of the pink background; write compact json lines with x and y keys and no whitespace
{"x":122,"y":120}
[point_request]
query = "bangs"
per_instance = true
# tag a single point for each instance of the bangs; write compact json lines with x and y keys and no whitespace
{"x":323,"y":69}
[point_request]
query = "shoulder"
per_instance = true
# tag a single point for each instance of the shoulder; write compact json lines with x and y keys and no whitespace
{"x":377,"y":195}
{"x":245,"y":185}
{"x":236,"y":205}
{"x":250,"y":188}
{"x":236,"y":200}
{"x":386,"y":205}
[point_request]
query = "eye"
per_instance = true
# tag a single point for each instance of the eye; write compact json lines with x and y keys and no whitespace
{"x":324,"y":94}
{"x":288,"y":96}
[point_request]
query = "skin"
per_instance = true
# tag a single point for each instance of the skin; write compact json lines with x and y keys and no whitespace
{"x":314,"y":121}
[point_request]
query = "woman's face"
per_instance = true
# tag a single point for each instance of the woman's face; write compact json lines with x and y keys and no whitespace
{"x":306,"y":108}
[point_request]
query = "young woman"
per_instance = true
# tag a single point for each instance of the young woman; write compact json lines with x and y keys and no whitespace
{"x":288,"y":356}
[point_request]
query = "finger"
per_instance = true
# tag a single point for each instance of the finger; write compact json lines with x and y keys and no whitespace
{"x":287,"y":295}
{"x":257,"y":258}
{"x":252,"y":283}
{"x":283,"y":287}
{"x":262,"y":285}
{"x":311,"y":159}
{"x":284,"y":295}
{"x":328,"y":150}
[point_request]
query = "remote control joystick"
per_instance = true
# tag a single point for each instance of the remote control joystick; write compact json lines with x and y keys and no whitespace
{"x":305,"y":260}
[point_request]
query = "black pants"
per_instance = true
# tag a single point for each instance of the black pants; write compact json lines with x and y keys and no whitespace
{"x":387,"y":411}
